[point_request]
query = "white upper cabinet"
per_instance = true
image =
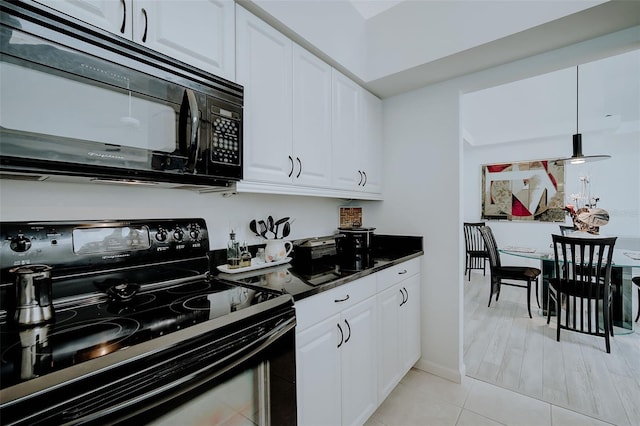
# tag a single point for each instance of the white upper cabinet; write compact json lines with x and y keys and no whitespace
{"x":113,"y":16}
{"x":356,"y":137}
{"x":311,"y":119}
{"x":287,"y":121}
{"x":199,"y":33}
{"x":264,"y":68}
{"x":344,"y":132}
{"x":371,"y":142}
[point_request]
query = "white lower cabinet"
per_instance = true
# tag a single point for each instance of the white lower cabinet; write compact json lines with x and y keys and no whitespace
{"x":399,"y":324}
{"x":354,"y":343}
{"x":336,"y":356}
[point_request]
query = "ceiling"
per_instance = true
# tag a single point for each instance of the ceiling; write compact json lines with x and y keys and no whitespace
{"x":546,"y":106}
{"x":395,"y":46}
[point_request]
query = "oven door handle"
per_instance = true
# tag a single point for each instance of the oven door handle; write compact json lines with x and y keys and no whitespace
{"x":193,"y":380}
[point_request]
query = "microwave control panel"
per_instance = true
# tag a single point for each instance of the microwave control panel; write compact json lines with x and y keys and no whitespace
{"x":225,"y":137}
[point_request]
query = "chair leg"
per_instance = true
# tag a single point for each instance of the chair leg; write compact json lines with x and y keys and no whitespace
{"x":558,"y":313}
{"x":548,"y":306}
{"x":638,"y":316}
{"x":537,"y":298}
{"x":607,"y":326}
{"x":529,"y":298}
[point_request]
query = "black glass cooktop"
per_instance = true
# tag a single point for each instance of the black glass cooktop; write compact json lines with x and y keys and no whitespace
{"x":86,"y":332}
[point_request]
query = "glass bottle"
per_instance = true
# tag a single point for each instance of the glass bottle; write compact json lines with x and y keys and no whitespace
{"x":245,"y":256}
{"x":233,"y":252}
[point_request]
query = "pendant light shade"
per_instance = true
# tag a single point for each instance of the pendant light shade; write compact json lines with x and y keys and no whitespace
{"x":577,"y":157}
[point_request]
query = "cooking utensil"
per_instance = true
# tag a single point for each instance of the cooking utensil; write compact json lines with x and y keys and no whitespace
{"x":280,"y":222}
{"x":253,"y":225}
{"x":263,"y":228}
{"x":34,"y":304}
{"x":122,"y":291}
{"x":270,"y":225}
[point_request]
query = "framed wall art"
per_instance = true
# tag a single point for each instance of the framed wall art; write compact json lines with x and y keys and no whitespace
{"x":527,"y":191}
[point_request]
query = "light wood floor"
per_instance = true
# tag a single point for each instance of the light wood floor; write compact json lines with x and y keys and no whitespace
{"x":503,"y":346}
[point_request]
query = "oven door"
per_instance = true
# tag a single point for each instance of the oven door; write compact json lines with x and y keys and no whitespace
{"x":238,"y":368}
{"x":80,"y":102}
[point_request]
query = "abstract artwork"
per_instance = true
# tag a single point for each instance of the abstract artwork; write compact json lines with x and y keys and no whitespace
{"x":532,"y":190}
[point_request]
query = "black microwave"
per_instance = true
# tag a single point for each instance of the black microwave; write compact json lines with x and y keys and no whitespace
{"x":78,"y":101}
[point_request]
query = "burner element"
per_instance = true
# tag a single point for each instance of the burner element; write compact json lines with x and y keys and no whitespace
{"x":190,"y":288}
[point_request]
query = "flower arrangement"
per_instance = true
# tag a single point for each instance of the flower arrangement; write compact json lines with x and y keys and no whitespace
{"x":585,"y":215}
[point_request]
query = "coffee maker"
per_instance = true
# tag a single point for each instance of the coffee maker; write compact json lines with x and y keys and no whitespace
{"x":354,"y":248}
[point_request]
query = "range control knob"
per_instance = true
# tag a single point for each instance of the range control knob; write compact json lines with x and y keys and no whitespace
{"x":20,"y":243}
{"x":194,"y":233}
{"x":161,"y":235}
{"x":178,"y":234}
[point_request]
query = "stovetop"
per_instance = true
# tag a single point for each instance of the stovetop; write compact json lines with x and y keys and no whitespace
{"x":85,"y":332}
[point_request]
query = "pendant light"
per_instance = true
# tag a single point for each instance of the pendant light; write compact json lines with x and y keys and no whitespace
{"x":578,"y":157}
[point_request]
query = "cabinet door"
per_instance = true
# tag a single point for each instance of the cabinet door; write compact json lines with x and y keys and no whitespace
{"x":345,"y":132}
{"x":389,"y":372}
{"x":359,"y":363}
{"x":199,"y":33}
{"x":371,"y":142}
{"x":311,"y":119}
{"x":113,"y":16}
{"x":264,"y":68}
{"x":410,"y":323}
{"x":318,"y":374}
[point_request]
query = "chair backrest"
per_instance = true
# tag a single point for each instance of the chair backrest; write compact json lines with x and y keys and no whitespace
{"x":583,"y":259}
{"x":492,"y":246}
{"x":472,"y":238}
{"x":565,"y":230}
{"x":583,"y":266}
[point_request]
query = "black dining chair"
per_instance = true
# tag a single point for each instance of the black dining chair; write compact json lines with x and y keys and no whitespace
{"x":499,"y":273}
{"x":582,"y":283}
{"x":475,"y":248}
{"x":566,"y":230}
{"x":636,"y":281}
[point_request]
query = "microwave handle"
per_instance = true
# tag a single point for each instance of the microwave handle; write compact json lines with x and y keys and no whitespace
{"x":193,"y":147}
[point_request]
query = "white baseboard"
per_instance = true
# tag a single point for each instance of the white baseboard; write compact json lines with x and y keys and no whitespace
{"x":455,"y":376}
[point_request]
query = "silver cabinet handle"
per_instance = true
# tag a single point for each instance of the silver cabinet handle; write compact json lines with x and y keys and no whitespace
{"x":404,"y":271}
{"x":365,"y":178}
{"x":300,"y":167}
{"x":341,"y":335}
{"x":291,"y":161}
{"x":361,"y":177}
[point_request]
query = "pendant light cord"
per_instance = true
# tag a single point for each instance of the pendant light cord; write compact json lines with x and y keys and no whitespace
{"x":577,"y":103}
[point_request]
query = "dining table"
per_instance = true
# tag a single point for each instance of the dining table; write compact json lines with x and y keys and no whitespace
{"x":624,"y":261}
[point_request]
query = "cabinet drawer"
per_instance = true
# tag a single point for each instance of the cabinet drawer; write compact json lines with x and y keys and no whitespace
{"x":314,"y":309}
{"x":393,"y":275}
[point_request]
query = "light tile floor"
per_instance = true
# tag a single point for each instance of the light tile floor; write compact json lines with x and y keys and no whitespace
{"x":422,"y":399}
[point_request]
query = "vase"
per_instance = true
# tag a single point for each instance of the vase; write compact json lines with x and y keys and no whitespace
{"x":276,"y":250}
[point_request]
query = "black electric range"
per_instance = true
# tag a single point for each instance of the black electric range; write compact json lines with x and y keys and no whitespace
{"x":135,"y":310}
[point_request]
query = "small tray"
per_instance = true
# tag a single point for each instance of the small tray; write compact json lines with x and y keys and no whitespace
{"x":253,"y":267}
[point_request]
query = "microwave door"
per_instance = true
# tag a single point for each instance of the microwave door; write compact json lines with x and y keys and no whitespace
{"x":88,"y":111}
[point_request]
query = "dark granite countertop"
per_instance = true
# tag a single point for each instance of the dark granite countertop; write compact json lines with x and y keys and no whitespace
{"x":302,"y":281}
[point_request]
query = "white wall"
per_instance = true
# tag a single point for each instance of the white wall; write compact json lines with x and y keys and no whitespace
{"x":616,"y":181}
{"x":429,"y":185}
{"x":22,"y":201}
{"x":535,"y":129}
